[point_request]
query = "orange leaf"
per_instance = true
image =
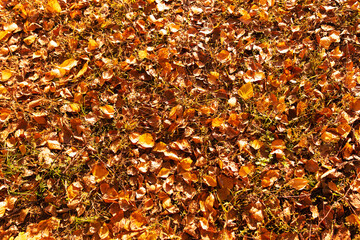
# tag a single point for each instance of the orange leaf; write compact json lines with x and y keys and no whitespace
{"x":217,"y":122}
{"x":54,"y":6}
{"x":325,"y":42}
{"x":164,"y":173}
{"x":53,"y":144}
{"x":186,"y":164}
{"x":210,"y":181}
{"x":278,"y":144}
{"x":108,"y":111}
{"x":298,"y":183}
{"x":22,"y":149}
{"x":146,"y":140}
{"x":353,"y":219}
{"x":99,"y":171}
{"x":3,"y":205}
{"x":246,"y":91}
{"x":223,"y":56}
{"x":329,"y":137}
{"x":92,"y":45}
{"x":246,"y":170}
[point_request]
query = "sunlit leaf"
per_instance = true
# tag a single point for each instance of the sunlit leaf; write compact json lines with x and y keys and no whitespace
{"x":54,"y":145}
{"x":2,"y":208}
{"x":246,"y":170}
{"x":325,"y":42}
{"x":142,"y":54}
{"x":329,"y":137}
{"x":298,"y":183}
{"x":246,"y":91}
{"x":108,"y":111}
{"x":92,"y":45}
{"x":186,"y":164}
{"x":29,"y":40}
{"x":164,"y":173}
{"x":82,"y":70}
{"x":217,"y":122}
{"x":54,"y":6}
{"x":210,"y":180}
{"x":223,"y":56}
{"x":99,"y":171}
{"x":6,"y":74}
{"x":146,"y":140}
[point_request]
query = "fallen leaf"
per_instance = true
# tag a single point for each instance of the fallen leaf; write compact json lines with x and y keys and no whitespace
{"x":298,"y":183}
{"x":54,"y":145}
{"x":146,"y":140}
{"x":210,"y":181}
{"x":108,"y":111}
{"x":246,"y":91}
{"x":6,"y":74}
{"x":223,"y":56}
{"x":54,"y":6}
{"x":99,"y":171}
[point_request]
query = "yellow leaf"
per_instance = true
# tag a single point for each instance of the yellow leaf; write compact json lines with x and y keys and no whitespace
{"x":30,"y":39}
{"x":6,"y":74}
{"x":3,"y":89}
{"x":142,"y":54}
{"x":68,"y":64}
{"x":54,"y":6}
{"x":83,"y":70}
{"x":75,"y":107}
{"x":3,"y":34}
{"x":217,"y":122}
{"x":186,"y":164}
{"x":99,"y":171}
{"x":246,"y":91}
{"x":298,"y":183}
{"x":146,"y":140}
{"x":92,"y":45}
{"x":256,"y":144}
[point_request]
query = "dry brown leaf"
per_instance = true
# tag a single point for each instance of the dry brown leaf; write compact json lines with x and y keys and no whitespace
{"x":298,"y":183}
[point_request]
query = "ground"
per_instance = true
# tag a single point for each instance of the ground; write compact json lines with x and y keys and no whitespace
{"x":169,"y":119}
